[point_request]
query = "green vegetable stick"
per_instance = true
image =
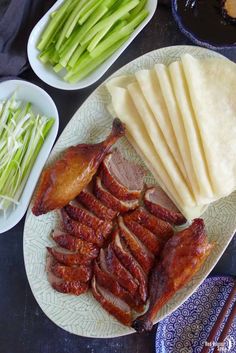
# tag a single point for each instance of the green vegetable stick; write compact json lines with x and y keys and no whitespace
{"x":77,"y":54}
{"x":57,"y":68}
{"x":137,"y":9}
{"x":92,"y":64}
{"x":102,"y":34}
{"x":70,"y":23}
{"x":68,"y":52}
{"x":98,"y":37}
{"x":106,"y":3}
{"x":52,"y":26}
{"x":110,"y":19}
{"x":89,"y":12}
{"x":119,"y":34}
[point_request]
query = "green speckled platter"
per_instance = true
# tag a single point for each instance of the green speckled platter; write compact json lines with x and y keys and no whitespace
{"x":83,"y":315}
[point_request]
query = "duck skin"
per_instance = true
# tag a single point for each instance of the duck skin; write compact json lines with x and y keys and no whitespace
{"x":71,"y":258}
{"x":85,"y":217}
{"x":152,"y":243}
{"x":111,"y":201}
{"x":106,"y":280}
{"x":160,"y":228}
{"x":80,"y":230}
{"x":114,"y":305}
{"x":144,"y":257}
{"x":122,"y":178}
{"x":159,"y":204}
{"x":72,"y":273}
{"x":69,"y":242}
{"x":181,"y":258}
{"x":66,"y":178}
{"x":128,"y":260}
{"x":94,"y":205}
{"x":70,"y":287}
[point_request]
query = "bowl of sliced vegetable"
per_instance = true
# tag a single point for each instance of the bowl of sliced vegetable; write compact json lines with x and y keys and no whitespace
{"x":28,"y":128}
{"x":77,"y":41}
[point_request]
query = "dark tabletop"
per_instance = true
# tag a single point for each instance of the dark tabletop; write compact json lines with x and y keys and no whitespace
{"x":23,"y":326}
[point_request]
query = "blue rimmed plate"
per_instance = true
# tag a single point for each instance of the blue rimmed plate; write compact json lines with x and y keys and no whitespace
{"x":204,"y":24}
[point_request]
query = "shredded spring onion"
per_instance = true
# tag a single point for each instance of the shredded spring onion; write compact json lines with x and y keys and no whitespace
{"x":22,"y":134}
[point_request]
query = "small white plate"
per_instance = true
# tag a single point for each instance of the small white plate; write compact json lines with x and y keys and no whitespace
{"x":46,"y":73}
{"x":43,"y":104}
{"x":83,"y":315}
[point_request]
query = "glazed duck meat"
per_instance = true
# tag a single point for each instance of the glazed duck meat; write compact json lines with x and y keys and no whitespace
{"x":71,"y":258}
{"x":119,"y":271}
{"x":72,"y":273}
{"x":150,"y":240}
{"x":66,"y":279}
{"x":69,"y":242}
{"x":143,"y":256}
{"x":122,"y":178}
{"x":182,"y":257}
{"x":128,"y":260}
{"x":114,"y":305}
{"x":66,"y":178}
{"x":80,"y":230}
{"x":124,"y":252}
{"x":159,"y":204}
{"x":88,"y":200}
{"x":160,"y":228}
{"x":83,"y":216}
{"x":108,"y":281}
{"x":70,"y":287}
{"x":110,"y":200}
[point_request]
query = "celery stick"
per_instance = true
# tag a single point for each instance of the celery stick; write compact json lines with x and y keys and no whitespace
{"x":89,"y":5}
{"x":90,"y":12}
{"x":111,"y":19}
{"x":53,"y":24}
{"x":102,"y":34}
{"x":77,"y":54}
{"x":69,"y":50}
{"x":92,"y":64}
{"x":96,"y":16}
{"x":98,"y":37}
{"x":57,"y":68}
{"x":119,"y":34}
{"x":106,"y":3}
{"x":137,"y":9}
{"x":69,"y":47}
{"x":68,"y":42}
{"x":70,"y":23}
{"x":47,"y":55}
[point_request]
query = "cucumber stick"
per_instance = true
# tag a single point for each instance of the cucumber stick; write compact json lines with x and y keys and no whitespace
{"x":82,"y":34}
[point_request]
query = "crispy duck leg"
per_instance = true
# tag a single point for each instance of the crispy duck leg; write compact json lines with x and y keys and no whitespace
{"x":181,"y":258}
{"x":63,"y":181}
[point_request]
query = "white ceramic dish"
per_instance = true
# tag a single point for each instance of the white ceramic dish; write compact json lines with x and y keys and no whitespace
{"x":46,"y":73}
{"x":83,"y":315}
{"x":43,"y":104}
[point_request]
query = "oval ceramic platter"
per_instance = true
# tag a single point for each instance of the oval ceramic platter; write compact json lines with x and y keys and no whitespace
{"x":83,"y":315}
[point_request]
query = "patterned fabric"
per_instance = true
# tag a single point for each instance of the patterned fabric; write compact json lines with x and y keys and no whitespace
{"x":186,"y":329}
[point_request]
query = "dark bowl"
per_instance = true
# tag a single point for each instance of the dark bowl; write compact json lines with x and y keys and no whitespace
{"x":204,"y":40}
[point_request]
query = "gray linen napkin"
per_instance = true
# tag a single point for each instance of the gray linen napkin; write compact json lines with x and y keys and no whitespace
{"x":17,"y":18}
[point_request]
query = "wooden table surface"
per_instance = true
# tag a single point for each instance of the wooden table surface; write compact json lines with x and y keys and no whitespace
{"x":24,"y":328}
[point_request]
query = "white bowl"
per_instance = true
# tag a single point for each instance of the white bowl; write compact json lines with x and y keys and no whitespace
{"x":43,"y":104}
{"x":46,"y":73}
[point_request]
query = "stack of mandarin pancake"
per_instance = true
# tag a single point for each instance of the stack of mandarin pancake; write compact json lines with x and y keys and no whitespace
{"x":181,"y":119}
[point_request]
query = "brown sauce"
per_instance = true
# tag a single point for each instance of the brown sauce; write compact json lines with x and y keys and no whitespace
{"x":204,"y":18}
